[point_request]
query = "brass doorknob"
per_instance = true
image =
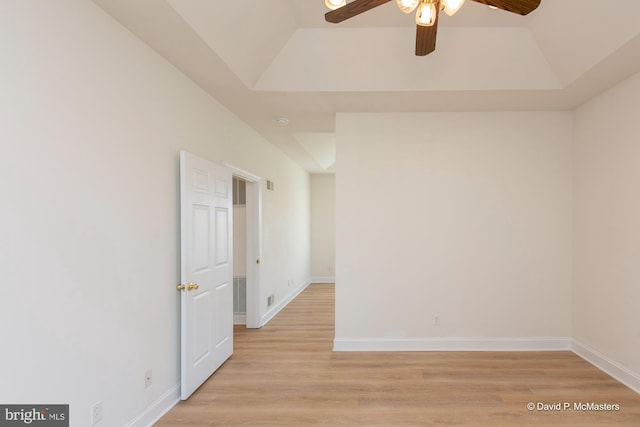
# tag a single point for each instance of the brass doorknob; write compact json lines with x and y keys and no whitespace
{"x":189,"y":286}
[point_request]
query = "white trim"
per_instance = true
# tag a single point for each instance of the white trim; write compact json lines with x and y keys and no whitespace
{"x":452,"y":344}
{"x":616,"y":370}
{"x":254,"y":252}
{"x":326,"y":279}
{"x":247,"y":176}
{"x":157,"y":409}
{"x":282,"y":304}
{"x":239,"y":319}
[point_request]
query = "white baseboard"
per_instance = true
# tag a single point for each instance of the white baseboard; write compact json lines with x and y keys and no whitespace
{"x":270,"y":314}
{"x":451,"y":344}
{"x":625,"y":376}
{"x":157,"y":409}
{"x":326,"y":279}
{"x":239,"y":319}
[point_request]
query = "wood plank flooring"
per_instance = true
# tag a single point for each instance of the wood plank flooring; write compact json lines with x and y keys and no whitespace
{"x":286,"y":374}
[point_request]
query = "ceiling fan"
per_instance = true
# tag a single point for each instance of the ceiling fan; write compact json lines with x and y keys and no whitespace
{"x":427,"y":14}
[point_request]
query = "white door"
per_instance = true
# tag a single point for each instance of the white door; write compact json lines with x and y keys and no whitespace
{"x":206,"y":269}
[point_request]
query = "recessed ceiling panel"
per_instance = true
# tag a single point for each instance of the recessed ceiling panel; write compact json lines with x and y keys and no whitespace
{"x":245,"y":34}
{"x":576,"y":35}
{"x":382,"y":59}
{"x":267,"y":58}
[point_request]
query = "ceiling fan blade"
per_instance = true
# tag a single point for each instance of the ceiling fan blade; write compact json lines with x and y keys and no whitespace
{"x":426,"y":37}
{"x":521,"y":7}
{"x":352,"y":9}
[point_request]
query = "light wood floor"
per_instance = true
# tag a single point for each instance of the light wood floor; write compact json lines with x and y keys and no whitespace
{"x":285,"y":374}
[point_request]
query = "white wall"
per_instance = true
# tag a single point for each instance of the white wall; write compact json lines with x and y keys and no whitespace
{"x":92,"y":122}
{"x":606,"y":290}
{"x":465,"y":216}
{"x":323,"y":255}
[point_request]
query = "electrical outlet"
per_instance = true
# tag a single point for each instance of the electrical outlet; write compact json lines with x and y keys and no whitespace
{"x":436,"y":320}
{"x":148,"y":378}
{"x":96,"y":413}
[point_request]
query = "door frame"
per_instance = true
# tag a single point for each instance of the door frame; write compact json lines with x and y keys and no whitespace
{"x":254,"y":248}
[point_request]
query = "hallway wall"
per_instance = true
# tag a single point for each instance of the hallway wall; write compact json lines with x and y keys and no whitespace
{"x":92,"y":124}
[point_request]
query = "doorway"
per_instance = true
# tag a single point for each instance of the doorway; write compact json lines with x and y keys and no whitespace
{"x":247,"y":221}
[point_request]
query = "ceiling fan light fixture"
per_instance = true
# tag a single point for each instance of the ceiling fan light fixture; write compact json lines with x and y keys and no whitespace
{"x":426,"y":14}
{"x":335,"y":4}
{"x":407,"y":6}
{"x":452,"y":6}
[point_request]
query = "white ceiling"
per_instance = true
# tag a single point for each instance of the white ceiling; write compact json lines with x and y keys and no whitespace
{"x":268,"y":59}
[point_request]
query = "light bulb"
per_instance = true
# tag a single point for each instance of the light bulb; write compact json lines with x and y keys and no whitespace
{"x":407,"y":6}
{"x":452,"y":6}
{"x":334,"y":4}
{"x":426,"y":14}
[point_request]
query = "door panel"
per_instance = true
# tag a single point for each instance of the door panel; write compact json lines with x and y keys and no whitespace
{"x":223,"y":311}
{"x":201,"y":252}
{"x":202,"y":341}
{"x":223,"y":242}
{"x":206,"y":270}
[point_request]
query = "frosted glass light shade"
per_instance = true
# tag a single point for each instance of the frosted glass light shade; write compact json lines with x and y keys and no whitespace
{"x":452,"y":6}
{"x":426,"y":14}
{"x":334,"y":4}
{"x":407,"y":6}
